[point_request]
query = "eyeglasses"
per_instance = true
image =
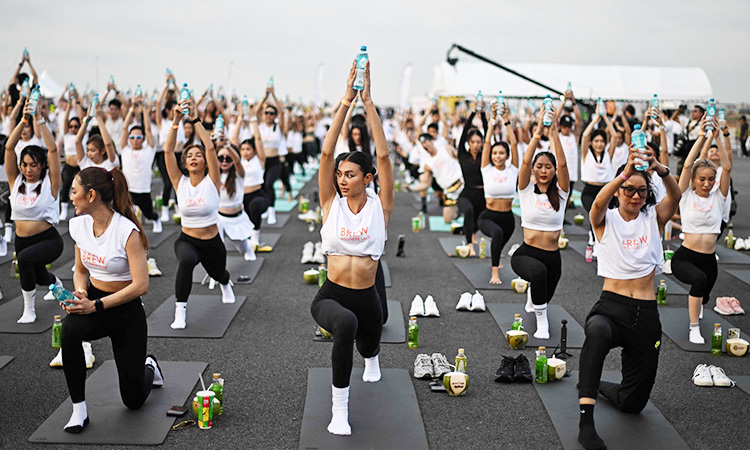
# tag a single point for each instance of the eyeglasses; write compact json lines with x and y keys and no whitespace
{"x":223,"y":158}
{"x":270,"y":113}
{"x":136,"y":136}
{"x":630,"y":191}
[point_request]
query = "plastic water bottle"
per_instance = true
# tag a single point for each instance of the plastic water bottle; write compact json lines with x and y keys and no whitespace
{"x":500,"y":104}
{"x":61,"y":294}
{"x":568,"y":103}
{"x":34,"y":99}
{"x":138,"y":91}
{"x":94,"y":102}
{"x":602,"y":110}
{"x":219,"y":126}
{"x":24,"y":87}
{"x":710,"y":113}
{"x":461,"y":361}
{"x":661,"y":293}
{"x":480,"y":97}
{"x":589,"y":253}
{"x":639,"y":142}
{"x":270,"y":82}
{"x":169,"y":72}
{"x":482,"y":248}
{"x":112,"y":79}
{"x":570,"y":87}
{"x":217,"y":386}
{"x":654,"y":106}
{"x":722,"y":118}
{"x":361,"y":59}
{"x":211,"y":88}
{"x":57,"y":333}
{"x":25,"y":53}
{"x":72,"y":87}
{"x":185,"y":95}
{"x":547,"y":119}
{"x":245,"y":107}
{"x":716,"y":338}
{"x":541,"y":365}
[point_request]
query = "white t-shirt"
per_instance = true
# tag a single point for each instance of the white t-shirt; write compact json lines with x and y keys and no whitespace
{"x":657,"y":184}
{"x":701,"y":215}
{"x":570,"y":148}
{"x":593,"y":171}
{"x":630,"y":249}
{"x":86,"y":162}
{"x":136,"y":165}
{"x":537,"y":212}
{"x":272,"y":137}
{"x":69,"y":144}
{"x":199,"y":205}
{"x":253,"y":171}
{"x":105,"y":257}
{"x":444,"y":168}
{"x":115,"y":130}
{"x":728,"y":201}
{"x":30,"y":206}
{"x":671,"y":128}
{"x":500,"y":183}
{"x":619,"y":157}
{"x":361,"y":234}
{"x":294,"y":142}
{"x":166,"y":125}
{"x":225,"y":201}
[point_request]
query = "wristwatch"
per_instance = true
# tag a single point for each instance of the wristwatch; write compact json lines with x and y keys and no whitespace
{"x":666,"y":173}
{"x":41,"y":121}
{"x":99,"y":305}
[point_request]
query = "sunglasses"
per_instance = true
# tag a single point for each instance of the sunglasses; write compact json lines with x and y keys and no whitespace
{"x":630,"y":191}
{"x":223,"y":158}
{"x":136,"y":136}
{"x":270,"y":113}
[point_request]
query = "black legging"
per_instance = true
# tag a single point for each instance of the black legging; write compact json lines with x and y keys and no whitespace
{"x":350,"y":314}
{"x":380,"y":287}
{"x":144,"y":202}
{"x":471,"y":202}
{"x":270,"y":175}
{"x":285,"y":174}
{"x":255,"y":203}
{"x":33,"y":254}
{"x":619,"y":321}
{"x":699,"y":270}
{"x":588,"y":195}
{"x":125,"y":325}
{"x":166,"y":192}
{"x":190,"y":251}
{"x":542,"y":268}
{"x":499,"y":226}
{"x":67,"y":174}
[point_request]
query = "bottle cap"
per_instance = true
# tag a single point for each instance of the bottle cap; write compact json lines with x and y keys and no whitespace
{"x":460,"y":350}
{"x":517,"y":316}
{"x":662,"y":281}
{"x":52,"y":286}
{"x":717,"y":325}
{"x":542,"y":349}
{"x":412,"y":318}
{"x":57,"y":317}
{"x":217,"y":375}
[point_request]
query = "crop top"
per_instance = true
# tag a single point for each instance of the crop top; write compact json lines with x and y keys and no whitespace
{"x":29,"y":206}
{"x":361,"y":234}
{"x":630,"y":250}
{"x":86,"y":162}
{"x":271,"y":136}
{"x":224,"y":200}
{"x":136,"y":165}
{"x":105,"y":257}
{"x":593,"y":171}
{"x":199,"y":205}
{"x":253,"y":171}
{"x":537,"y":212}
{"x":701,"y":215}
{"x":500,"y":183}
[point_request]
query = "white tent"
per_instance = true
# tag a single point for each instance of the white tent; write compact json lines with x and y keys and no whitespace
{"x":632,"y":83}
{"x":49,"y":87}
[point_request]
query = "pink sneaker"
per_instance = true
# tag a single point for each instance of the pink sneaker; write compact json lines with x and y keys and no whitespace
{"x":723,"y":307}
{"x":735,"y":305}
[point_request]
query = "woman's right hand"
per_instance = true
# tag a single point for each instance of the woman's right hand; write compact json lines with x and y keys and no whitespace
{"x":704,"y":122}
{"x":350,"y":93}
{"x":28,"y":110}
{"x":177,"y":113}
{"x":630,"y":169}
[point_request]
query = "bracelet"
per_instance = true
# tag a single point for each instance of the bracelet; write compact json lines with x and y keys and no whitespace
{"x":666,"y":172}
{"x":662,"y":127}
{"x":701,"y":133}
{"x":624,"y":178}
{"x":41,"y":121}
{"x":196,"y":120}
{"x":507,"y":123}
{"x":98,"y":305}
{"x":24,"y":120}
{"x":537,"y":136}
{"x":253,"y":119}
{"x":345,"y":103}
{"x":726,"y":134}
{"x":174,"y":127}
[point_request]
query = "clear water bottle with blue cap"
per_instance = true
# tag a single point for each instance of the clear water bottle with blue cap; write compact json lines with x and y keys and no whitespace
{"x":270,"y":82}
{"x":361,"y":60}
{"x":219,"y":128}
{"x":111,"y":79}
{"x":94,"y":102}
{"x":600,"y":103}
{"x":245,"y":107}
{"x":138,"y":91}
{"x":710,"y":113}
{"x":25,"y":87}
{"x":34,"y":99}
{"x":548,"y":111}
{"x":25,"y":53}
{"x":185,"y":95}
{"x":722,"y":118}
{"x":61,"y":294}
{"x":480,"y":97}
{"x":500,"y":104}
{"x":654,"y":106}
{"x":638,"y":137}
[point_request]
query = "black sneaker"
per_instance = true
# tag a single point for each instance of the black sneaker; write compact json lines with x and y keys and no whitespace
{"x":505,"y":373}
{"x":521,"y":370}
{"x":158,"y":374}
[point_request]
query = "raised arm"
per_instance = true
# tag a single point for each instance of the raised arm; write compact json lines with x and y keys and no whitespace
{"x":667,"y":208}
{"x":259,"y":150}
{"x":173,"y":169}
{"x":586,"y":139}
{"x":726,"y":164}
{"x":11,"y":160}
{"x":601,"y":202}
{"x":487,"y":147}
{"x":524,"y":172}
{"x":66,"y":127}
{"x":563,"y":177}
{"x":687,"y":167}
{"x":511,"y":137}
{"x":126,"y":127}
{"x":109,"y":144}
{"x":626,"y":128}
{"x":142,"y":106}
{"x":612,"y":136}
{"x":80,"y":151}
{"x":214,"y":170}
{"x":236,"y":160}
{"x":663,"y":149}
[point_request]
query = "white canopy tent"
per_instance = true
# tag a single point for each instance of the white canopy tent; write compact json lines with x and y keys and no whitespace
{"x":49,"y":87}
{"x":630,"y":83}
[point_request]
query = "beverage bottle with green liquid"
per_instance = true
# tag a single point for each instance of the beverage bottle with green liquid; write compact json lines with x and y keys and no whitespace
{"x":482,"y":248}
{"x":57,"y":333}
{"x":517,"y":323}
{"x":541,"y":365}
{"x":413,"y":333}
{"x":461,"y":361}
{"x":661,"y":293}
{"x":716,"y":339}
{"x":218,"y":388}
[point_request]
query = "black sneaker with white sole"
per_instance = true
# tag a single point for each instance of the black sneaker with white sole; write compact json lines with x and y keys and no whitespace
{"x":522,"y":371}
{"x":158,"y":375}
{"x":505,"y":373}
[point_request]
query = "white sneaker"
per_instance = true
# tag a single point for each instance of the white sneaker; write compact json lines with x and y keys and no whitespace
{"x":264,"y":215}
{"x":157,"y":225}
{"x":702,"y":376}
{"x":423,"y":366}
{"x":164,"y":214}
{"x":720,"y":378}
{"x":88,"y":354}
{"x":464,"y":303}
{"x":158,"y":375}
{"x":319,"y":257}
{"x":3,"y":246}
{"x":430,"y":307}
{"x":513,"y":249}
{"x":307,"y":253}
{"x":477,"y":302}
{"x":57,"y":360}
{"x":417,"y":306}
{"x":739,"y":244}
{"x":153,"y":270}
{"x":271,"y":215}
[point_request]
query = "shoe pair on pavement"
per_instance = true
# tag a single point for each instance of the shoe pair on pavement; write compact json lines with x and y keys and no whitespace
{"x":728,"y":306}
{"x":711,"y":376}
{"x":514,"y":370}
{"x":471,"y":302}
{"x":426,"y":308}
{"x":428,"y":367}
{"x":742,"y":244}
{"x":312,"y":253}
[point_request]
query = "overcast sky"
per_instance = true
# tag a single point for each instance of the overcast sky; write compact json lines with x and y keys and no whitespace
{"x":136,"y":40}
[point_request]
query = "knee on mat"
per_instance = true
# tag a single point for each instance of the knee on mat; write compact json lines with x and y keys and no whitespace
{"x":132,"y":402}
{"x":632,"y":404}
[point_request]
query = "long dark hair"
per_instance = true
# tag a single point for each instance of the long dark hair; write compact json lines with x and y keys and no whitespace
{"x":112,"y":187}
{"x":552,"y":193}
{"x":230,"y":185}
{"x":650,"y":196}
{"x":474,"y":132}
{"x":39,"y":156}
{"x":364,"y":138}
{"x":594,"y":134}
{"x":362,"y":159}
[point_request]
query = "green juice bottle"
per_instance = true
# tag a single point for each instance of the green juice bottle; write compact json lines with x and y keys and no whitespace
{"x":218,"y":388}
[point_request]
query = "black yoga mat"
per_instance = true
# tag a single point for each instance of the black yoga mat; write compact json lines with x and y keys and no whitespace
{"x":619,"y":430}
{"x":240,"y":271}
{"x":742,"y":275}
{"x":62,"y":270}
{"x":675,"y":323}
{"x":386,"y":273}
{"x":743,"y":382}
{"x":46,"y":311}
{"x":573,"y":230}
{"x":114,"y":424}
{"x":393,"y":330}
{"x":156,"y":239}
{"x":478,"y":273}
{"x":503,"y":313}
{"x":382,"y":415}
{"x":5,"y":360}
{"x":270,"y":239}
{"x":726,"y":255}
{"x":207,"y":317}
{"x":281,"y":220}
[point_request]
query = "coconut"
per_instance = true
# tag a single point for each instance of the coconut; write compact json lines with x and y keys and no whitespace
{"x":311,"y":276}
{"x":737,"y":347}
{"x":562,"y":243}
{"x":556,"y":369}
{"x":463,"y":251}
{"x":456,"y":383}
{"x":517,"y":339}
{"x":519,"y":285}
{"x":578,"y":219}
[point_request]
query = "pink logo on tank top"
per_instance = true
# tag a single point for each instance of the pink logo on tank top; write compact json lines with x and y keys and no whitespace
{"x":635,"y":243}
{"x":500,"y":179}
{"x":90,"y":259}
{"x":26,"y":200}
{"x":702,"y":207}
{"x":542,"y":204}
{"x":354,"y":235}
{"x":193,"y":202}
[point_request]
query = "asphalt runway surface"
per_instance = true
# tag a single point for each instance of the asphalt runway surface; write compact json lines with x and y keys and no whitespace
{"x":267,"y":350}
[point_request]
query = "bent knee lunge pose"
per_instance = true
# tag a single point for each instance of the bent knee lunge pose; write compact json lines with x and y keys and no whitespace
{"x":627,"y":224}
{"x":233,"y":222}
{"x":596,"y":167}
{"x":198,"y":197}
{"x":110,"y":278}
{"x":353,"y":236}
{"x":471,"y":202}
{"x":542,"y":213}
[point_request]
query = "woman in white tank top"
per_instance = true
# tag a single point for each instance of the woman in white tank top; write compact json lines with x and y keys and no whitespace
{"x":68,"y":140}
{"x":596,"y":161}
{"x":100,"y":150}
{"x":353,"y":236}
{"x":273,"y":134}
{"x":233,"y":222}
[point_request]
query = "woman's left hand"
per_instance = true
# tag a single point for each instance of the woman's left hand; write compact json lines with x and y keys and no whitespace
{"x":365,"y":93}
{"x":80,"y":305}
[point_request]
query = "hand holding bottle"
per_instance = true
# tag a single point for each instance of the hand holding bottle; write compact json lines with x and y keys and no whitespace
{"x":350,"y":93}
{"x":80,"y":305}
{"x":365,"y":94}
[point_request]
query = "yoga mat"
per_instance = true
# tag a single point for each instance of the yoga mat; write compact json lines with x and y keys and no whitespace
{"x":675,"y":323}
{"x":62,"y":270}
{"x":478,"y":273}
{"x":437,"y":223}
{"x":393,"y":330}
{"x":270,"y":239}
{"x":503,"y":314}
{"x":156,"y":239}
{"x":114,"y":424}
{"x":673,"y":287}
{"x":449,"y":243}
{"x":382,"y":415}
{"x":619,"y":430}
{"x":433,"y":209}
{"x":281,"y":220}
{"x":575,"y":230}
{"x":5,"y":360}
{"x":237,"y":267}
{"x":9,"y":256}
{"x":726,"y":255}
{"x":386,"y":274}
{"x":207,"y":317}
{"x":579,"y":247}
{"x":742,"y":275}
{"x":743,"y":382}
{"x":45,"y":315}
{"x":284,"y":205}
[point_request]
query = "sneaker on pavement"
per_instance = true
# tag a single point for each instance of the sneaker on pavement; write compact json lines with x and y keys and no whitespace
{"x":158,"y":375}
{"x":57,"y":360}
{"x":430,"y":307}
{"x":723,"y":307}
{"x":702,"y":376}
{"x":477,"y":302}
{"x":505,"y":373}
{"x":423,"y":366}
{"x":153,"y":270}
{"x":440,"y":365}
{"x":89,"y":355}
{"x":521,"y":370}
{"x":720,"y":378}
{"x":417,"y":306}
{"x":735,"y":304}
{"x":464,"y":303}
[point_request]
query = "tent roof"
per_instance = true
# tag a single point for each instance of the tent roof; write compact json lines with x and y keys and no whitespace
{"x":589,"y":81}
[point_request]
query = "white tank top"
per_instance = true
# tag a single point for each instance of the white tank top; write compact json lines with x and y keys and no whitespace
{"x":271,"y":136}
{"x":537,"y":212}
{"x":630,"y":250}
{"x":105,"y":256}
{"x":596,"y":172}
{"x":253,"y":171}
{"x":619,"y":157}
{"x":199,"y":205}
{"x":30,"y":206}
{"x":231,"y":202}
{"x":500,"y":183}
{"x":701,"y":215}
{"x":362,"y":234}
{"x":136,"y":165}
{"x":570,"y":148}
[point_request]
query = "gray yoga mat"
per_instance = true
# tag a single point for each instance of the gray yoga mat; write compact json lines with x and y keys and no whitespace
{"x":573,"y":230}
{"x":5,"y":360}
{"x":579,"y":247}
{"x":237,"y":267}
{"x":675,"y":323}
{"x":207,"y":317}
{"x":156,"y":239}
{"x":742,"y":275}
{"x":386,"y":273}
{"x":503,"y":313}
{"x":726,"y":255}
{"x":9,"y":256}
{"x":281,"y":220}
{"x":382,"y":415}
{"x":62,"y":270}
{"x":46,"y":311}
{"x":114,"y":424}
{"x":393,"y":330}
{"x":743,"y":382}
{"x":619,"y":430}
{"x":478,"y":273}
{"x":270,"y":239}
{"x":673,"y":287}
{"x":449,"y":243}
